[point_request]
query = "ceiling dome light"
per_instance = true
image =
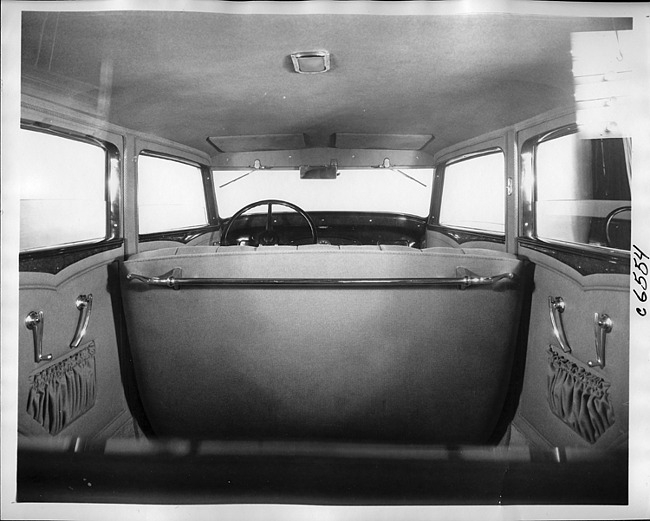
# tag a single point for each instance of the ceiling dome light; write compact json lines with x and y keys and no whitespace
{"x":312,"y":62}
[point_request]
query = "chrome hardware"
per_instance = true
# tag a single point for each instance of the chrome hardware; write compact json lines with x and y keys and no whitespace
{"x":386,"y":164}
{"x":173,"y":279}
{"x":602,"y":325}
{"x":303,"y":62}
{"x":556,"y":307}
{"x":35,"y":323}
{"x":509,"y":186}
{"x":469,"y":278}
{"x":84,"y":304}
{"x":169,"y":279}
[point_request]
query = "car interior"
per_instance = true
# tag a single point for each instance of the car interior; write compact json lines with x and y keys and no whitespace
{"x":324,"y":254}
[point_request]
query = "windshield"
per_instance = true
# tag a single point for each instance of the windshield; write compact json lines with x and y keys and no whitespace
{"x":390,"y":190}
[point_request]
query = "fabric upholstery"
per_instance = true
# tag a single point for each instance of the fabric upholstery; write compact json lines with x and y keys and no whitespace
{"x":320,"y":260}
{"x":63,"y":391}
{"x":578,"y":397}
{"x":425,"y":365}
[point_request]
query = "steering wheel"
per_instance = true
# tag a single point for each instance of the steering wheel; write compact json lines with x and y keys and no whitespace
{"x":268,"y":237}
{"x":609,"y":219}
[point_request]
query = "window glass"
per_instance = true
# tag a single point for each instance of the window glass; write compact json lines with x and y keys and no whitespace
{"x":170,"y":195}
{"x":62,"y":191}
{"x":395,"y":190}
{"x":583,"y":191}
{"x":473,"y":194}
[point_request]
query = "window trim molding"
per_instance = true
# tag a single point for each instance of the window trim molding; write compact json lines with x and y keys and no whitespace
{"x":528,"y":186}
{"x":585,"y":259}
{"x":463,"y":235}
{"x":53,"y":260}
{"x":184,"y":235}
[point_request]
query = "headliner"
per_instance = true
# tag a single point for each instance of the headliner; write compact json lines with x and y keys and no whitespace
{"x":188,"y":76}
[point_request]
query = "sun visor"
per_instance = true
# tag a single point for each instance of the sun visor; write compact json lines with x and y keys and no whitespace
{"x":382,"y":141}
{"x":258,"y":143}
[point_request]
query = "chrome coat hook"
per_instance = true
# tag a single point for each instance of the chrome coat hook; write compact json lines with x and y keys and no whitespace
{"x":602,"y":325}
{"x":556,"y":307}
{"x":35,"y":321}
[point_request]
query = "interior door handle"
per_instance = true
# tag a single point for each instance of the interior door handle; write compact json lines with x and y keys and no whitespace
{"x":84,"y":304}
{"x":602,"y":325}
{"x":556,"y":307}
{"x":35,"y":321}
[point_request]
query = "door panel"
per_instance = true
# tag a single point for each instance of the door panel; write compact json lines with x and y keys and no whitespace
{"x":56,"y":295}
{"x":584,"y":295}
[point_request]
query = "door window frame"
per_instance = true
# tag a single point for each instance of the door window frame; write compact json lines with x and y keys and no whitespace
{"x":586,"y":259}
{"x":52,"y":259}
{"x":183,"y":235}
{"x":497,"y":141}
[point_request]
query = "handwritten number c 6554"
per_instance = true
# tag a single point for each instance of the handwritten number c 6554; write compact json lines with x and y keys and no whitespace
{"x":640,"y":280}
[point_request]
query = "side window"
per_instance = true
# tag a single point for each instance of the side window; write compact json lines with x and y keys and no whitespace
{"x":63,"y":191}
{"x":582,"y":191}
{"x":473,"y":194}
{"x":170,"y":195}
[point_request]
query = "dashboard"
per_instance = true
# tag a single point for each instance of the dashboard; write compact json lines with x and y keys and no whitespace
{"x":337,"y":228}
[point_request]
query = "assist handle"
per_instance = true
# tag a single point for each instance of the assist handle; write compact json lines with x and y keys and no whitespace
{"x":84,"y":304}
{"x":35,"y":321}
{"x":556,"y":307}
{"x":602,"y":325}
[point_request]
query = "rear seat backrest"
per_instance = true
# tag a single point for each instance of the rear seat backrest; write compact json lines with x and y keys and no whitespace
{"x":386,"y":364}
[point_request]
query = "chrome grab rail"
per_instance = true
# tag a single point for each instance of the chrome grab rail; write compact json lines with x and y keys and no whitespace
{"x":602,"y":325}
{"x":84,"y":304}
{"x":556,"y":307}
{"x":35,"y":322}
{"x":173,"y":279}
